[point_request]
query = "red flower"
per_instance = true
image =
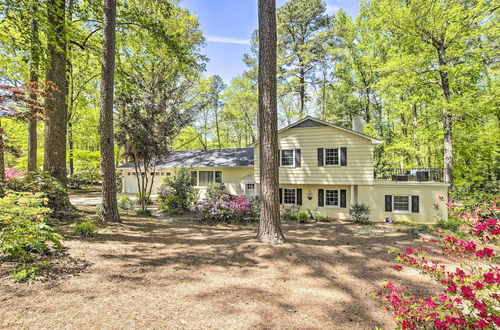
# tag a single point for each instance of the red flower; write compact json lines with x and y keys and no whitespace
{"x":484,"y":252}
{"x":452,"y":288}
{"x":478,"y":285}
{"x":409,"y":251}
{"x":466,"y":291}
{"x":397,"y":267}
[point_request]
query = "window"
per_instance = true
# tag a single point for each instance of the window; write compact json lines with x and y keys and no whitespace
{"x":218,"y":176}
{"x":401,"y":203}
{"x":331,"y":197}
{"x":250,"y":186}
{"x":194,"y":178}
{"x":167,"y":173}
{"x":332,"y":157}
{"x":288,"y":196}
{"x":205,"y":178}
{"x":287,"y":158}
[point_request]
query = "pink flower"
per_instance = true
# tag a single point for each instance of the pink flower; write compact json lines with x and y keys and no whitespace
{"x":484,"y":252}
{"x":409,"y":251}
{"x":452,"y":288}
{"x":397,"y":267}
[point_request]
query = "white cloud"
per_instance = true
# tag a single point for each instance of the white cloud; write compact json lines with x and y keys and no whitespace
{"x":331,"y":9}
{"x":228,"y":40}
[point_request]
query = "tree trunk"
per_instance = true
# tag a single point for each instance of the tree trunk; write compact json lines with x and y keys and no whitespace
{"x":269,"y":227}
{"x":2,"y":153}
{"x":32,"y":122}
{"x":56,"y":107}
{"x":447,"y":119}
{"x":302,"y":92}
{"x":71,"y":145}
{"x":108,"y":175}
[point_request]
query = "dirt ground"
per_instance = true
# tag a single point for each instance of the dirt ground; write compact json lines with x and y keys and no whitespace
{"x":147,"y":273}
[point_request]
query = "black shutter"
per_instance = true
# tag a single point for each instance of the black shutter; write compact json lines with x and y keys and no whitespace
{"x":299,"y":196}
{"x":388,"y":203}
{"x":343,"y":196}
{"x":320,"y":156}
{"x":414,"y":204}
{"x":297,"y":157}
{"x":321,"y":197}
{"x":281,"y":196}
{"x":343,"y":156}
{"x":279,"y":158}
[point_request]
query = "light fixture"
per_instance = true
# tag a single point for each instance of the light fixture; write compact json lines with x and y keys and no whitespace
{"x":309,"y":195}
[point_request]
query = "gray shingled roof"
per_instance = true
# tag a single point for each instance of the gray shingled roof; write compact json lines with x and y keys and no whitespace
{"x":206,"y":158}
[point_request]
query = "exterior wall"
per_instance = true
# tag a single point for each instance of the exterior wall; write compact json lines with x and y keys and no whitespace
{"x":359,"y":169}
{"x":334,"y":212}
{"x":232,"y":177}
{"x":428,"y":194}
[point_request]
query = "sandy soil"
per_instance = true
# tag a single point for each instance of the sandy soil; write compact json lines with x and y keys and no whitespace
{"x":147,"y":273}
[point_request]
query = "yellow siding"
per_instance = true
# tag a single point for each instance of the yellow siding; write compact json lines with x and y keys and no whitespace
{"x":231,"y":177}
{"x":359,"y":169}
{"x":334,"y":212}
{"x":429,"y":194}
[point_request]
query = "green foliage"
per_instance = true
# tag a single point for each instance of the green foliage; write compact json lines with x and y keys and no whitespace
{"x":24,"y":273}
{"x":23,"y":228}
{"x":86,"y":229}
{"x":144,"y":213}
{"x":125,"y":203}
{"x":41,"y":182}
{"x":75,"y":181}
{"x":302,"y":216}
{"x":98,"y":210}
{"x":177,"y":193}
{"x":360,"y":212}
{"x":452,"y":223}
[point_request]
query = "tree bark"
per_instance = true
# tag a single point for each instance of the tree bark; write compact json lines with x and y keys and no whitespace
{"x":447,"y":119}
{"x":56,"y":107}
{"x":32,"y":122}
{"x":109,"y":204}
{"x":71,"y":145}
{"x":269,"y":227}
{"x":2,"y":153}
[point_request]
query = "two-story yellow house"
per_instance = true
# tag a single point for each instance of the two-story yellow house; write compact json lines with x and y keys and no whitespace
{"x":322,"y":167}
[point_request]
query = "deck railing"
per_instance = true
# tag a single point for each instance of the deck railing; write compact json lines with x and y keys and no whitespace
{"x":411,"y":174}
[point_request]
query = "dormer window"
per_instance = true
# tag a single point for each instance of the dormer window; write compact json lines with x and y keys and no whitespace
{"x":287,"y":158}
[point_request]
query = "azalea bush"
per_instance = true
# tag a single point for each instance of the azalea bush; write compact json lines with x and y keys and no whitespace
{"x":177,"y":193}
{"x":11,"y":173}
{"x":220,"y":206}
{"x":470,"y":295}
{"x":23,"y":228}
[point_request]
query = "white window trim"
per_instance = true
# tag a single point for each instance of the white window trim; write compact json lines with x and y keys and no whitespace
{"x":401,"y":211}
{"x":295,"y":194}
{"x":213,"y":173}
{"x":338,"y":198}
{"x":281,"y":158}
{"x":324,"y":157}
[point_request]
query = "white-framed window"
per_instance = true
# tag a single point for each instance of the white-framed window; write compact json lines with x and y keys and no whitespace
{"x":289,"y":196}
{"x":401,"y":203}
{"x":332,"y":198}
{"x":332,"y":156}
{"x":205,"y":178}
{"x":167,"y":173}
{"x":250,"y":186}
{"x":287,"y":157}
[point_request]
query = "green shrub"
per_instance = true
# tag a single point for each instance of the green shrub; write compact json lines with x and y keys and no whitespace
{"x":86,"y":229}
{"x":75,"y":181}
{"x":98,"y":210}
{"x":177,"y":193}
{"x":360,"y":212}
{"x":125,"y":203}
{"x":287,"y":215}
{"x":24,"y":273}
{"x":145,"y":213}
{"x":323,"y":218}
{"x":451,"y":223}
{"x":302,"y":216}
{"x":23,"y":228}
{"x":41,"y":182}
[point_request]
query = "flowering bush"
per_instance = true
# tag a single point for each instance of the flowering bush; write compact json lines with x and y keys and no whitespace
{"x":177,"y":193}
{"x":222,"y":207}
{"x":11,"y":173}
{"x":470,"y":295}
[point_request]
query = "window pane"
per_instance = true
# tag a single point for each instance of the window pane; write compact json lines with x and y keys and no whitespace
{"x":218,"y":176}
{"x":332,"y":157}
{"x":250,"y":186}
{"x":401,"y":203}
{"x":332,"y":197}
{"x":288,"y":196}
{"x":286,"y":157}
{"x":205,"y":178}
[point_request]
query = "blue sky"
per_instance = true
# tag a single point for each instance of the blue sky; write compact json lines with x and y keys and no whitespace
{"x":228,"y":26}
